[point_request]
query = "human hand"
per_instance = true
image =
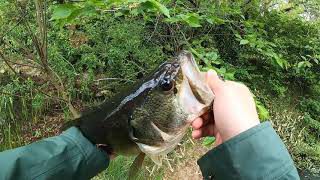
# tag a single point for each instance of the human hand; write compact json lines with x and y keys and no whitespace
{"x":234,"y":111}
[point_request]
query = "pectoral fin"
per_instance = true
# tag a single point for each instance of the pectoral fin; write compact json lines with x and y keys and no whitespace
{"x":136,"y":165}
{"x":157,"y":159}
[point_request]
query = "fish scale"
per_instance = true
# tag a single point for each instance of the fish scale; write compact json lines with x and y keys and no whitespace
{"x":152,"y":116}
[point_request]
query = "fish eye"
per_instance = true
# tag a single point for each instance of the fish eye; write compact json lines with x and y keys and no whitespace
{"x":167,"y":85}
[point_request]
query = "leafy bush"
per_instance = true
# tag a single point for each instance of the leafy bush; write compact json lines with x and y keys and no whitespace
{"x":97,"y":47}
{"x":271,"y":49}
{"x":312,"y":114}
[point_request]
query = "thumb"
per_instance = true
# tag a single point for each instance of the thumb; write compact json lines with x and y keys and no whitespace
{"x":213,"y":80}
{"x":218,"y":140}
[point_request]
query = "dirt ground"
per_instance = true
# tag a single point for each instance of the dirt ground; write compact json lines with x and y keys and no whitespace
{"x":180,"y":165}
{"x":187,"y":168}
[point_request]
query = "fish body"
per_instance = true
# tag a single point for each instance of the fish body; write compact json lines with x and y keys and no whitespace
{"x":154,"y":115}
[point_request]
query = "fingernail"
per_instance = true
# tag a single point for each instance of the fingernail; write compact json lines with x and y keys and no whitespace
{"x":194,"y":135}
{"x":212,"y":72}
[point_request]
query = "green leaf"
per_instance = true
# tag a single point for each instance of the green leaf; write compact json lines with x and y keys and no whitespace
{"x":238,"y":36}
{"x":212,"y":55}
{"x":208,"y":141}
{"x":222,"y":70}
{"x":98,"y":3}
{"x":2,"y":71}
{"x":62,"y":11}
{"x":304,"y":64}
{"x":193,"y":21}
{"x":300,"y":65}
{"x":279,"y":61}
{"x":172,"y":19}
{"x":210,"y":21}
{"x":262,"y":111}
{"x":230,"y":75}
{"x":244,"y":41}
{"x":308,"y":64}
{"x":118,"y":14}
{"x":215,"y":20}
{"x":195,"y":52}
{"x":153,"y":4}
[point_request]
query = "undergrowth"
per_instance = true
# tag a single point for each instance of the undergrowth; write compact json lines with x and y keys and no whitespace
{"x":92,"y":49}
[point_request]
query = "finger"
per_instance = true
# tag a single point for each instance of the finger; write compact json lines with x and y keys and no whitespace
{"x":218,"y":140}
{"x":197,"y":123}
{"x":213,"y":80}
{"x":207,"y":130}
{"x":196,"y":134}
{"x":202,"y":121}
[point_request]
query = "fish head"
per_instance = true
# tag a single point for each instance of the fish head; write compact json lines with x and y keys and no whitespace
{"x":177,"y":94}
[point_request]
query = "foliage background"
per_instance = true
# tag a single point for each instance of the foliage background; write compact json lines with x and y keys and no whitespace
{"x":60,"y":57}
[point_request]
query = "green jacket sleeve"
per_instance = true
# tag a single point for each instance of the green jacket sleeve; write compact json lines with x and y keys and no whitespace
{"x":67,"y":156}
{"x":257,"y":153}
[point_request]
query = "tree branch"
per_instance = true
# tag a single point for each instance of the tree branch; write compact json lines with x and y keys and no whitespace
{"x":7,"y":61}
{"x":41,"y":44}
{"x":8,"y":64}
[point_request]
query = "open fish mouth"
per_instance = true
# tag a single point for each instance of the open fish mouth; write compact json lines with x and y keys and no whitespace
{"x":195,"y":96}
{"x":191,"y":99}
{"x":153,"y":115}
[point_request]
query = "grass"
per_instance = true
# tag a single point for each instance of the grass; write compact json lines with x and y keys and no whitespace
{"x":181,"y":160}
{"x":285,"y":116}
{"x":288,"y":121}
{"x":9,"y":137}
{"x":119,"y":167}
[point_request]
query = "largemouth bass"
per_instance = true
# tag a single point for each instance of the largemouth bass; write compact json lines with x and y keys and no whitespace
{"x":153,"y":117}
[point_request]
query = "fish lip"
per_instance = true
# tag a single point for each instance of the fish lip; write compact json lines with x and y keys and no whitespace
{"x":195,"y":84}
{"x":187,"y":57}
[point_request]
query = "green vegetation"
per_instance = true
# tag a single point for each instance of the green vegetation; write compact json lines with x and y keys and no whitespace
{"x":59,"y":57}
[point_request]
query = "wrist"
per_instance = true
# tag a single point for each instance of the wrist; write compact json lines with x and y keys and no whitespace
{"x":238,"y":129}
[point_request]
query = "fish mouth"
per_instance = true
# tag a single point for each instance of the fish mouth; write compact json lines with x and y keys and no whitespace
{"x":191,"y":99}
{"x":195,"y":95}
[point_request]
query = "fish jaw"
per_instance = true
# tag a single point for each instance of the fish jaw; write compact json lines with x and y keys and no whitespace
{"x":194,"y":98}
{"x":195,"y":95}
{"x":157,"y":153}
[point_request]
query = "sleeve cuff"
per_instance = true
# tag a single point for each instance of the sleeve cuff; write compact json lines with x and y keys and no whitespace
{"x":96,"y":160}
{"x":240,"y":157}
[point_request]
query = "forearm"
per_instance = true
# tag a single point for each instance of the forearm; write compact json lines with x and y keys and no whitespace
{"x":67,"y":156}
{"x":257,"y":153}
